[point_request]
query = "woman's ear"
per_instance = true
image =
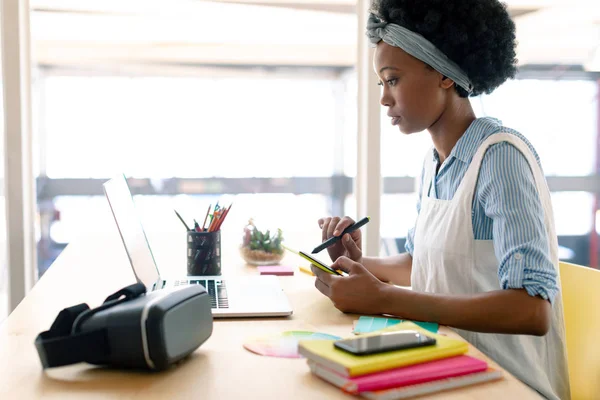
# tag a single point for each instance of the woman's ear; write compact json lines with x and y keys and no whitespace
{"x":446,"y":83}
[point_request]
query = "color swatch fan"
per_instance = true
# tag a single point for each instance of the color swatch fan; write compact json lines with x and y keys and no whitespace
{"x":283,"y":344}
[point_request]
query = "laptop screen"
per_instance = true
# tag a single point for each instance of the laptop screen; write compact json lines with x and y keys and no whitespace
{"x":131,"y":230}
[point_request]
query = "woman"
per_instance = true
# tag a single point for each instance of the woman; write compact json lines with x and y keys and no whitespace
{"x":482,"y":257}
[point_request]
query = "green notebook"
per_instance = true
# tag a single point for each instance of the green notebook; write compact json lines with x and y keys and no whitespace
{"x":371,"y":324}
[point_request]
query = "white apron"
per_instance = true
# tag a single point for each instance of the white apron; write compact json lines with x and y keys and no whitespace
{"x":447,"y":259}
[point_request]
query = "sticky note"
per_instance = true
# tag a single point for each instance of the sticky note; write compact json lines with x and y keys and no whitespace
{"x":370,"y":324}
{"x":306,"y":269}
{"x":280,"y":270}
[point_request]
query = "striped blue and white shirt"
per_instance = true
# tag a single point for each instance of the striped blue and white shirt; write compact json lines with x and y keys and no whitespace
{"x":506,"y":208}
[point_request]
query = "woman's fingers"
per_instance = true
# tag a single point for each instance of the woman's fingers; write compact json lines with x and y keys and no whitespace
{"x":341,"y":225}
{"x":324,"y":224}
{"x":332,"y":226}
{"x":354,"y":251}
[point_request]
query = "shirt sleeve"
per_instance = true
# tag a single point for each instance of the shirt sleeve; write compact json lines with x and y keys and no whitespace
{"x":508,"y":194}
{"x":409,"y":246}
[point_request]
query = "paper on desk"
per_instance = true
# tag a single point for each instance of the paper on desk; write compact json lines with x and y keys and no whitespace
{"x":284,"y":344}
{"x":369,"y":324}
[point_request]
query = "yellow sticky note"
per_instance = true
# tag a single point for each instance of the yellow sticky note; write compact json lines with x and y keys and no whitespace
{"x":306,"y":269}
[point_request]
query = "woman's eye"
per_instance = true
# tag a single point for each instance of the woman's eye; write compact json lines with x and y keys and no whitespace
{"x":389,"y":82}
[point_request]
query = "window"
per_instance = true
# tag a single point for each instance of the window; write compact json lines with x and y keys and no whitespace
{"x":187,"y":127}
{"x":276,"y":127}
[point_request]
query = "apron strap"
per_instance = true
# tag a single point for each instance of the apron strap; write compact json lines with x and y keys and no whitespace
{"x":427,"y":174}
{"x":466,"y":189}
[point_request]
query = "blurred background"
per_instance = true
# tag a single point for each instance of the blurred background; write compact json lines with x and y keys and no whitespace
{"x":255,"y":102}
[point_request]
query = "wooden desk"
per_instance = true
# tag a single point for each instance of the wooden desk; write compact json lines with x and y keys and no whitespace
{"x":92,"y":267}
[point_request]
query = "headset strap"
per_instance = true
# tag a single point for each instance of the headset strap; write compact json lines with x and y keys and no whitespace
{"x":63,"y":345}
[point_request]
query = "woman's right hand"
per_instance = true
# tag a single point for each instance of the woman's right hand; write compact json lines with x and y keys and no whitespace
{"x":349,"y":246}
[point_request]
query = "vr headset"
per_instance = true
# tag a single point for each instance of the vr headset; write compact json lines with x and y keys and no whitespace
{"x":131,"y":329}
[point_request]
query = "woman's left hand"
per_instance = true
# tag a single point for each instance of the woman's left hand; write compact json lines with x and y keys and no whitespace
{"x":360,"y":292}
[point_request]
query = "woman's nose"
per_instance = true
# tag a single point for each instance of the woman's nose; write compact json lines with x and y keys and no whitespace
{"x":386,"y":99}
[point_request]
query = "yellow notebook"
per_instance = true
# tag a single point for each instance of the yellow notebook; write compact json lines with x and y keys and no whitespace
{"x":323,"y":352}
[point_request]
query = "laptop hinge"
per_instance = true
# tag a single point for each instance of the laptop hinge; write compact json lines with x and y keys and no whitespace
{"x":159,"y":284}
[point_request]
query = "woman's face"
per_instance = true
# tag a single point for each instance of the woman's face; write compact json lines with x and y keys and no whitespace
{"x":413,"y":93}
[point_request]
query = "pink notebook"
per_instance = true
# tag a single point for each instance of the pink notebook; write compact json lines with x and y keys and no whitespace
{"x":398,"y":377}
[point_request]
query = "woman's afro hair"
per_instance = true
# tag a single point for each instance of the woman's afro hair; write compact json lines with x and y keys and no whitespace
{"x":478,"y":35}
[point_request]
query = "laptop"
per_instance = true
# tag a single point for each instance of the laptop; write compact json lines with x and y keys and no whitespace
{"x":247,"y":296}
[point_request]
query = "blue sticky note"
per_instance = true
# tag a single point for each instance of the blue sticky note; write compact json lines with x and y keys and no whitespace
{"x":370,"y":324}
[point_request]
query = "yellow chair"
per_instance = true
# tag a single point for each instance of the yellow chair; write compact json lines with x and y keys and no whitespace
{"x":581,"y":304}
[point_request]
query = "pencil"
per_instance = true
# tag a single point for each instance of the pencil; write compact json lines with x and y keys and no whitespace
{"x":225,"y":212}
{"x":206,"y":217}
{"x":182,"y":221}
{"x":215,"y":221}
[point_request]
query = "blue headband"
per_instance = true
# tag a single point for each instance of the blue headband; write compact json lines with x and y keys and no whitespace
{"x":418,"y":47}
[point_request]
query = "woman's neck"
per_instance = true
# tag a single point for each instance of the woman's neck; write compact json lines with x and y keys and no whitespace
{"x":451,"y":125}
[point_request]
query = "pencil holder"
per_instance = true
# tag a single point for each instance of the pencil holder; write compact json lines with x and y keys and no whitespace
{"x":204,"y":253}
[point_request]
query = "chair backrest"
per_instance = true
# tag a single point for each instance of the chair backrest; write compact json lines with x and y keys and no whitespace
{"x":581,"y":304}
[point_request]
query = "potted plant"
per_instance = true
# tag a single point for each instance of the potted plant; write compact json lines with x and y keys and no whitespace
{"x":261,"y":247}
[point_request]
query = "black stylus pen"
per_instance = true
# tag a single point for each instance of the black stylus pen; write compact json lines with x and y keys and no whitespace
{"x":334,"y":239}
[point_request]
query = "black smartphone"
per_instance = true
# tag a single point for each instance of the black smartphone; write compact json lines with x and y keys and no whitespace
{"x":387,"y":341}
{"x":321,"y":265}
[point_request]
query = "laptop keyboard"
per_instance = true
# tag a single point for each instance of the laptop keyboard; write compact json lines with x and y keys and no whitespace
{"x":215,"y":288}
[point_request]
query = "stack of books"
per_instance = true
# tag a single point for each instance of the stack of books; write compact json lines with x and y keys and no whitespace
{"x":398,"y":374}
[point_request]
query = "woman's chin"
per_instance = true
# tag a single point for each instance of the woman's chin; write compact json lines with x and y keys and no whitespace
{"x":406,"y":130}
